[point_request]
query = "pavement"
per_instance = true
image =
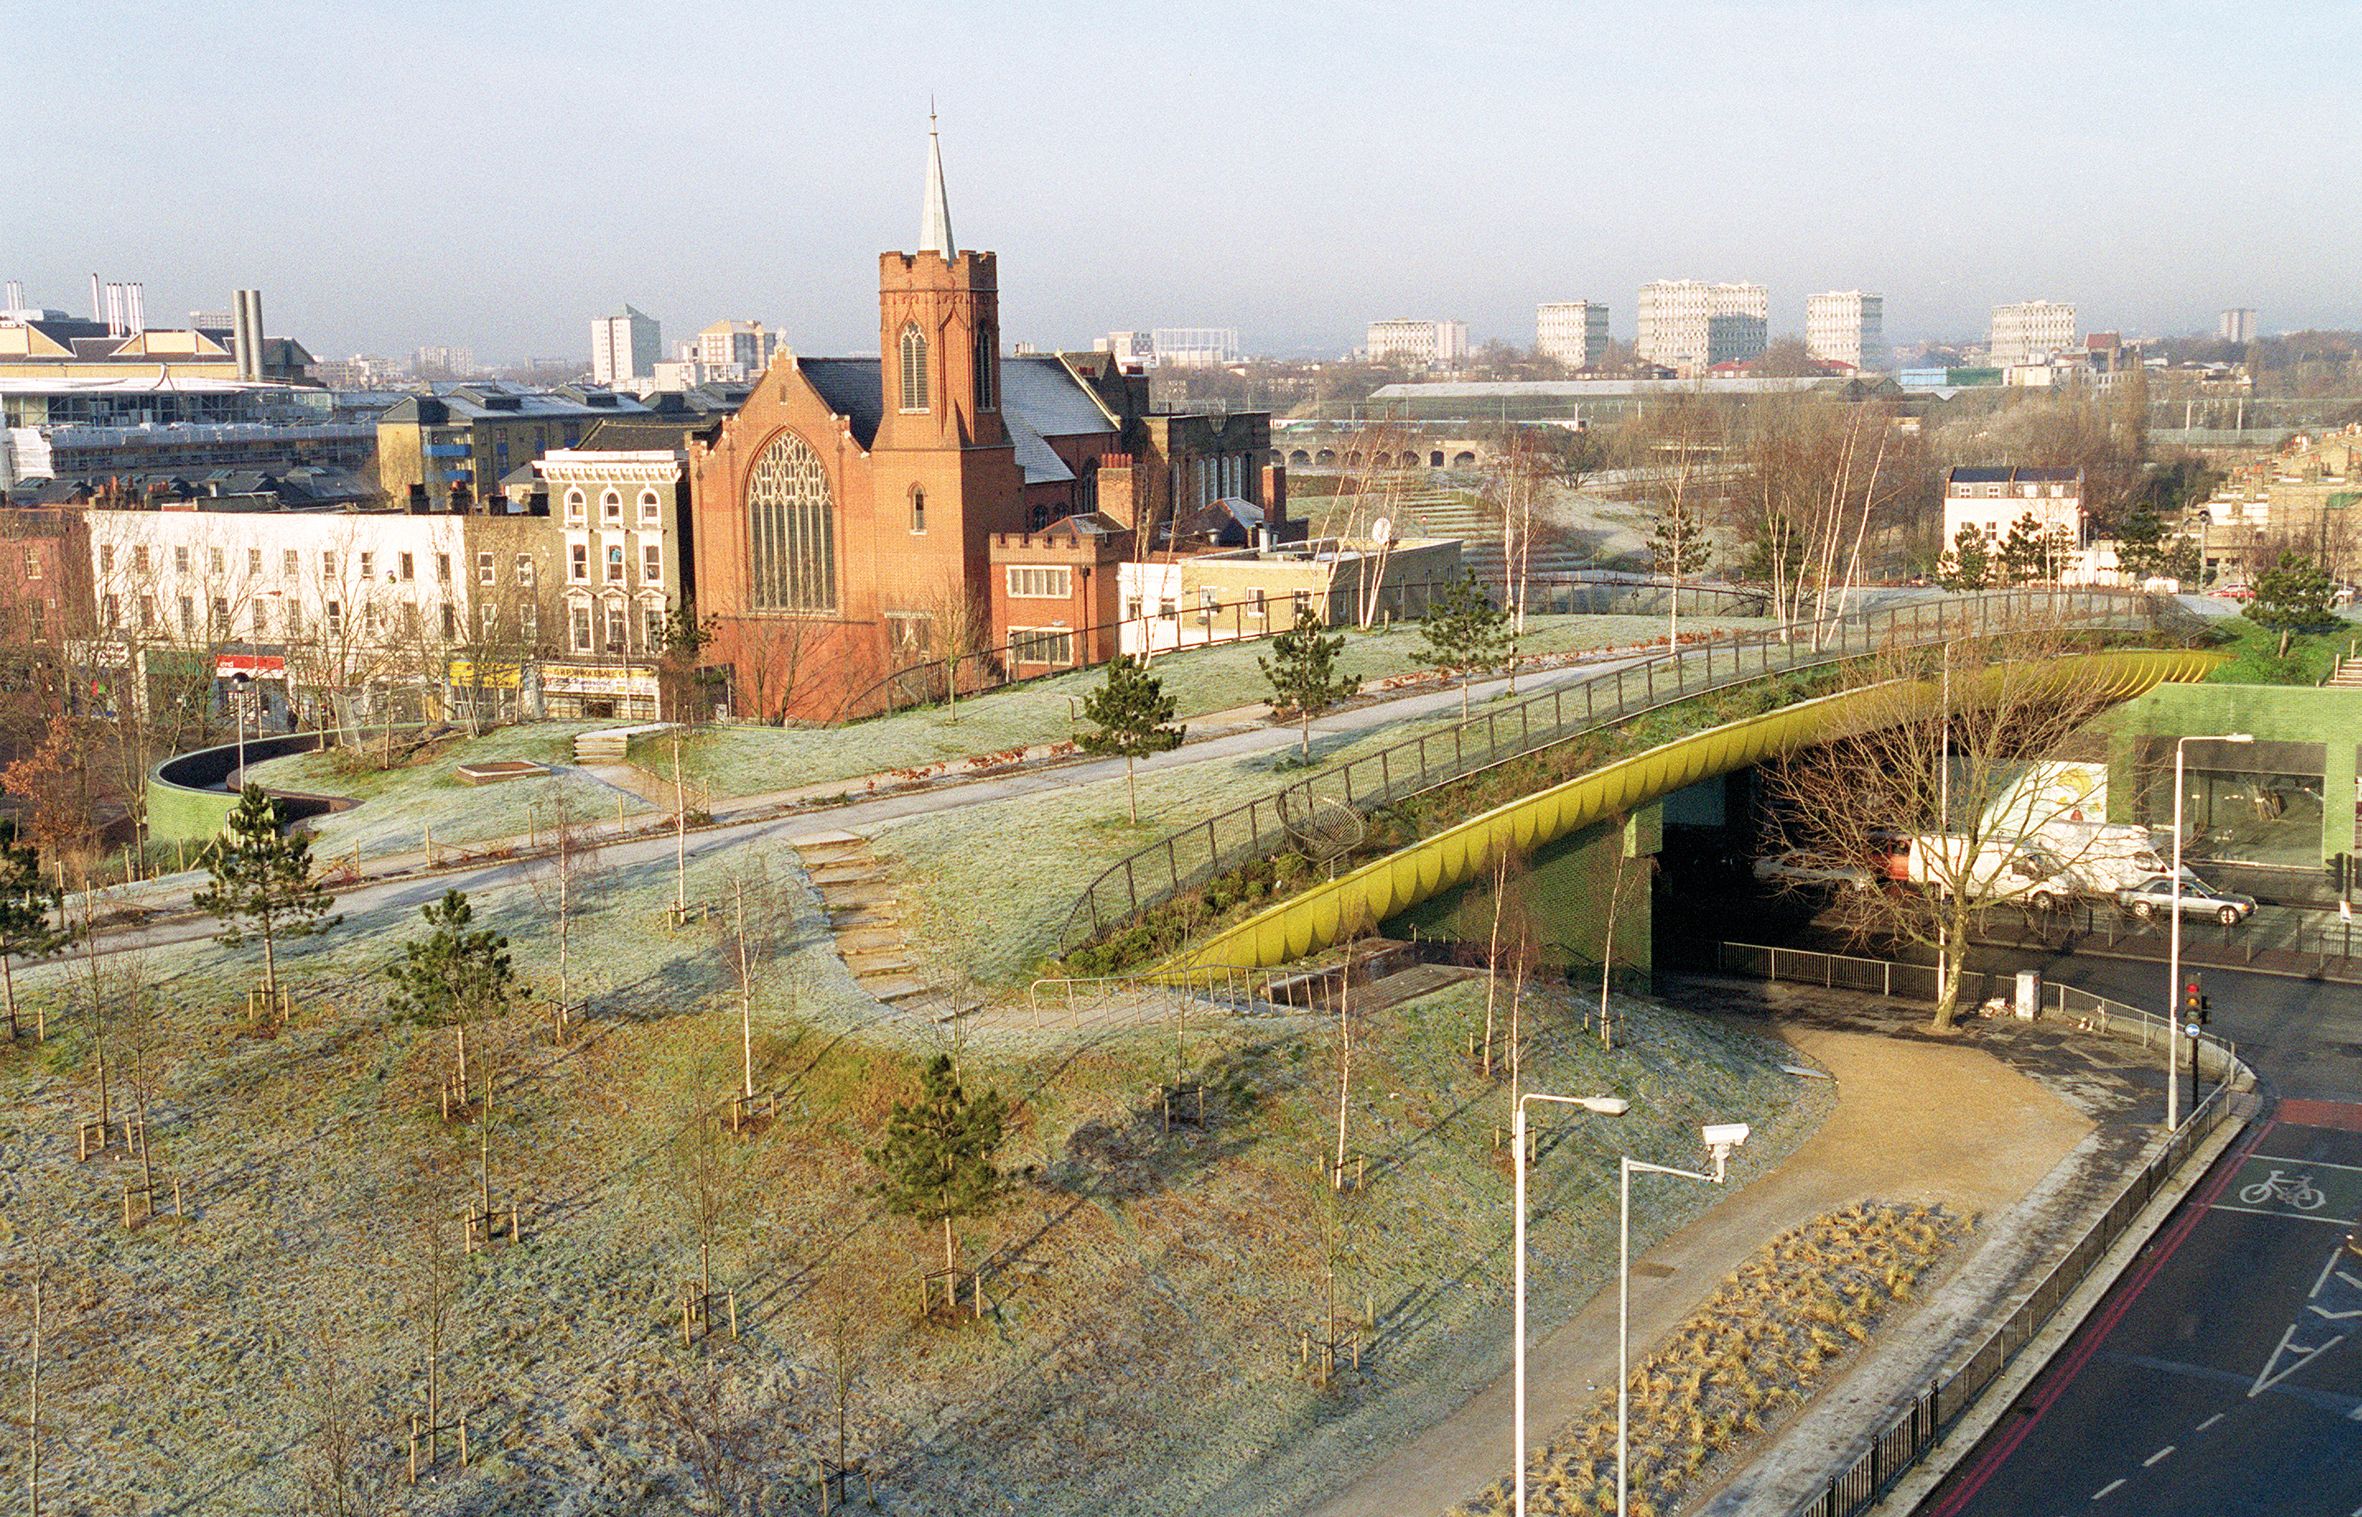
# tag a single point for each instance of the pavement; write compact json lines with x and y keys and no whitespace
{"x":2031,"y":1169}
{"x":2223,"y":1373}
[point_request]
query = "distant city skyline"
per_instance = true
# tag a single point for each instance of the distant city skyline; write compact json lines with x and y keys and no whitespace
{"x":394,"y":188}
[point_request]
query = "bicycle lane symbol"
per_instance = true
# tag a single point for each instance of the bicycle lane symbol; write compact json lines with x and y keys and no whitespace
{"x":2306,"y":1189}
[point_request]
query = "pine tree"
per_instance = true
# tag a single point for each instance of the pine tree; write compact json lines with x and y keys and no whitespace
{"x":1967,"y":566}
{"x":937,"y":1161}
{"x":2022,"y":551}
{"x":262,"y":884}
{"x":2291,"y":596}
{"x":27,"y":902}
{"x":1132,"y":713}
{"x":1303,"y":672}
{"x":1464,"y":634}
{"x":453,"y":976}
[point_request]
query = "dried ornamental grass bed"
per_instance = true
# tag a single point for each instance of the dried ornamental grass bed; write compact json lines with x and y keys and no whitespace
{"x":1753,"y":1353}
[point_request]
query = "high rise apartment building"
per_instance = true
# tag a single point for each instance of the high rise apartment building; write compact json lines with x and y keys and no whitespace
{"x":625,"y":347}
{"x":735,"y":349}
{"x":1437,"y":344}
{"x":2029,"y":331}
{"x":1572,"y":331}
{"x":2237,"y":324}
{"x":1690,"y":324}
{"x":1848,"y":327}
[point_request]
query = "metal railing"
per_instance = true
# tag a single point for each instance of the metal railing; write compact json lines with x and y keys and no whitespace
{"x":1934,"y":1413}
{"x":924,"y":682}
{"x":1204,"y":850}
{"x":1080,"y":1002}
{"x":2266,"y":940}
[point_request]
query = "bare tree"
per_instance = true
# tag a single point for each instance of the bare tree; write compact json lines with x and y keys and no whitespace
{"x":566,"y":873}
{"x":331,"y":1456}
{"x":1931,"y":782}
{"x":1619,"y":825}
{"x":958,"y":629}
{"x":1673,"y":459}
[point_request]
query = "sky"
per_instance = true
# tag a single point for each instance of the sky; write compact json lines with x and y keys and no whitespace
{"x":494,"y":175}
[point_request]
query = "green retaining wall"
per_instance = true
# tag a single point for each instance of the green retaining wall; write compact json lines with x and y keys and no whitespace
{"x":2272,"y":713}
{"x":1566,"y":887}
{"x":176,"y":811}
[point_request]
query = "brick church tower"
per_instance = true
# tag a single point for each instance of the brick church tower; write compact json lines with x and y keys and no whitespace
{"x":943,"y":468}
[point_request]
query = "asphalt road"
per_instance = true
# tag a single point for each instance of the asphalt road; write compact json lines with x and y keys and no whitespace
{"x":2223,"y":1374}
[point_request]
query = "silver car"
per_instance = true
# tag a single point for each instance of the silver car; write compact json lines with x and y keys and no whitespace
{"x":2154,"y":898}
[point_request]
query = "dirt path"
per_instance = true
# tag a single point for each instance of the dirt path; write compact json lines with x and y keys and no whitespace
{"x":1897,"y":1134}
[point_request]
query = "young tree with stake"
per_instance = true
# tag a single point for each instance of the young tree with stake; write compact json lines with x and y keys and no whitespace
{"x":1303,"y":672}
{"x":1131,"y":713}
{"x":263,"y":886}
{"x":453,"y":975}
{"x":1464,"y":634}
{"x":936,"y":1163}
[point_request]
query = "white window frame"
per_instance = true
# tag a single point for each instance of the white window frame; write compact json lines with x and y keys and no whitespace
{"x":1039,"y":581}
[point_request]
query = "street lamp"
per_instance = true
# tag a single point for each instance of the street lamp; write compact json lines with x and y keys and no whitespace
{"x":238,"y":684}
{"x":1606,"y":1106}
{"x":1721,"y":1138}
{"x":2173,"y":963}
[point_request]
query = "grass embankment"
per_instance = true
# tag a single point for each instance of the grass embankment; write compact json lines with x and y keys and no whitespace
{"x":400,"y":806}
{"x":734,"y":761}
{"x":2255,"y":654}
{"x":1777,"y":1328}
{"x":1149,"y":1288}
{"x":1164,"y":929}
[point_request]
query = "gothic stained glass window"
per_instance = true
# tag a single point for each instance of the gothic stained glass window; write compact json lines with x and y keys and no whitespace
{"x":914,"y":369}
{"x":791,"y":531}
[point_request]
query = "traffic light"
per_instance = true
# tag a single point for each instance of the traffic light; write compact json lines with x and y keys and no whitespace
{"x":2194,"y":1003}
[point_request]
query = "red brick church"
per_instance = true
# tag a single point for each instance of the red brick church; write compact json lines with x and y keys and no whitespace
{"x":858,"y":513}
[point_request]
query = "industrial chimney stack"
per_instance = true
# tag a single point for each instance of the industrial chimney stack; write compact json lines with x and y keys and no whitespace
{"x":246,"y":332}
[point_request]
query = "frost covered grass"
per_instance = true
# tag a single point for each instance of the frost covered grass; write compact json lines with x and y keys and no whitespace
{"x":986,"y":888}
{"x":1147,"y":1288}
{"x":400,"y":806}
{"x":750,"y":760}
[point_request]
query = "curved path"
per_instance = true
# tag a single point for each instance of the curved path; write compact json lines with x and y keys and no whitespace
{"x":1895,"y":1135}
{"x":404,"y":881}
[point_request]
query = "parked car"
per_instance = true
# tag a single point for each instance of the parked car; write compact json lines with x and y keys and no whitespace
{"x":2152,"y":898}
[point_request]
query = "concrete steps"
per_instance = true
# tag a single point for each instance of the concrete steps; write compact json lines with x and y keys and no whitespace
{"x":2347,"y":676}
{"x":857,"y":890}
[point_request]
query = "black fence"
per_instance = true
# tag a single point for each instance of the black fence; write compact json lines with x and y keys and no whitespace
{"x":1047,"y":653}
{"x":1266,"y":825}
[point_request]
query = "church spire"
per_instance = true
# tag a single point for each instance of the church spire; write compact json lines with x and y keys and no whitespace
{"x":935,"y":213}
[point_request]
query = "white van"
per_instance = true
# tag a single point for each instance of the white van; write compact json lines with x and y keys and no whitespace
{"x":2004,"y":870}
{"x":2100,"y":858}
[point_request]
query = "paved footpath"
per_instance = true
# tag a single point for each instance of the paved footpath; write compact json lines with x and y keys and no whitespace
{"x":402,"y":879}
{"x":1896,"y":1134}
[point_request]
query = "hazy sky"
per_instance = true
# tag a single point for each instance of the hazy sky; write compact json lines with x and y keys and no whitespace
{"x":495,"y":174}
